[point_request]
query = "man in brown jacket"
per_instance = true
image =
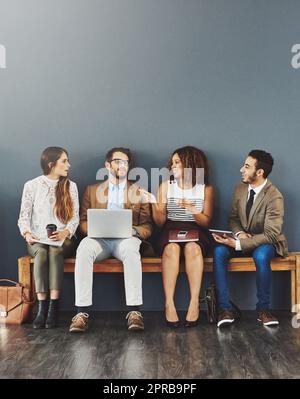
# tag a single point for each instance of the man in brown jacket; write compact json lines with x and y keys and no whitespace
{"x":115,"y":193}
{"x":256,"y":220}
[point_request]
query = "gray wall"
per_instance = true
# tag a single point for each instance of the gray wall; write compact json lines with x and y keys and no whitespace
{"x":151,"y":75}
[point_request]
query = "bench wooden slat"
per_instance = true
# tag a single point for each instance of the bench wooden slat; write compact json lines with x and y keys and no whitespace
{"x":153,"y":265}
{"x":117,"y":267}
{"x":113,"y":265}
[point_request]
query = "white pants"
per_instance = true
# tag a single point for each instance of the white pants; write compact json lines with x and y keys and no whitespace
{"x":92,"y":250}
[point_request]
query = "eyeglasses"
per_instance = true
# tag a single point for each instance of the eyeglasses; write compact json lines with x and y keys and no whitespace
{"x":120,"y":161}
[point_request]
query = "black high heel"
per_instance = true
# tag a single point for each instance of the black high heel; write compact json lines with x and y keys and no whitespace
{"x":189,"y":323}
{"x":173,"y":324}
{"x":192,"y":323}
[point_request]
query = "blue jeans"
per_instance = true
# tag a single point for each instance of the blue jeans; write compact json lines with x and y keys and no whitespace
{"x":262,"y":256}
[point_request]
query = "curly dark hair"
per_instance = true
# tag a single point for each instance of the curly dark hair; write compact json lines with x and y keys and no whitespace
{"x":193,"y":158}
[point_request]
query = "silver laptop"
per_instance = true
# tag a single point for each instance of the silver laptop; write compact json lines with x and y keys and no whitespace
{"x":108,"y":223}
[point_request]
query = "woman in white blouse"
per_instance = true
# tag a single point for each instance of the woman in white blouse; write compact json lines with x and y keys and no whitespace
{"x":49,"y":199}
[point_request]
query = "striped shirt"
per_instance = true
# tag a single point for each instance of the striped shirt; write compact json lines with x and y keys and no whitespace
{"x":175,"y":193}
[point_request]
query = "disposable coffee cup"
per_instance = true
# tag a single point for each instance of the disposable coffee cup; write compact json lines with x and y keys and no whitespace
{"x":51,"y":228}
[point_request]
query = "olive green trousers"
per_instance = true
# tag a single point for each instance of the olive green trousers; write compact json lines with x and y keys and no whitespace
{"x":49,"y":264}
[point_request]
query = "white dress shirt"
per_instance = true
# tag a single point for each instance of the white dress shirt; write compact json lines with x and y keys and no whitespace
{"x":116,"y":199}
{"x":37,"y":207}
{"x":257,"y":190}
{"x":116,"y":195}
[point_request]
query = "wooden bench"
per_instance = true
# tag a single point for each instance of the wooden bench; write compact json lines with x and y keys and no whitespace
{"x":153,"y":265}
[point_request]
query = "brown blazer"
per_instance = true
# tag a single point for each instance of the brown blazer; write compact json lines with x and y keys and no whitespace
{"x":96,"y":196}
{"x":265,"y":219}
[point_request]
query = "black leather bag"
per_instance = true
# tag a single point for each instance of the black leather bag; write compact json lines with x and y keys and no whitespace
{"x":210,"y":300}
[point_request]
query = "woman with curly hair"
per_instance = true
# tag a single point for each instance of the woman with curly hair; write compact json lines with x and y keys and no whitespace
{"x":184,"y":203}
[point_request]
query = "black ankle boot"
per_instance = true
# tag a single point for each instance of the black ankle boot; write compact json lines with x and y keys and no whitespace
{"x":51,"y":321}
{"x":39,"y":321}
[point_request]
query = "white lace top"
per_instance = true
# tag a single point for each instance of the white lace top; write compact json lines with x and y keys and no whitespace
{"x":37,"y":207}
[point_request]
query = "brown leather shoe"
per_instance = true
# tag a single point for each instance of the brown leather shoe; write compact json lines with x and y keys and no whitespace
{"x":135,"y":321}
{"x":267,"y":318}
{"x":226,"y":317}
{"x":79,"y":323}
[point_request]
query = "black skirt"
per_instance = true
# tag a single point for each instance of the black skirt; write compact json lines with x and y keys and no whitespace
{"x":205,"y":240}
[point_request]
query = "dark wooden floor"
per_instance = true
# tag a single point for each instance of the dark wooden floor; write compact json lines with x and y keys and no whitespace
{"x":108,"y":350}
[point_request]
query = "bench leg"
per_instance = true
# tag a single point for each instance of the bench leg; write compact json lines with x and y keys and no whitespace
{"x":297,"y":285}
{"x":25,"y":271}
{"x":293,"y":290}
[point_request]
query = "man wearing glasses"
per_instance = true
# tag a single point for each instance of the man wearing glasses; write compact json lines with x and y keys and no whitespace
{"x":117,"y":192}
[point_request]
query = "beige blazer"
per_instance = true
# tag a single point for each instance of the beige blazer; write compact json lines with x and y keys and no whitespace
{"x":96,"y":196}
{"x":265,"y":219}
